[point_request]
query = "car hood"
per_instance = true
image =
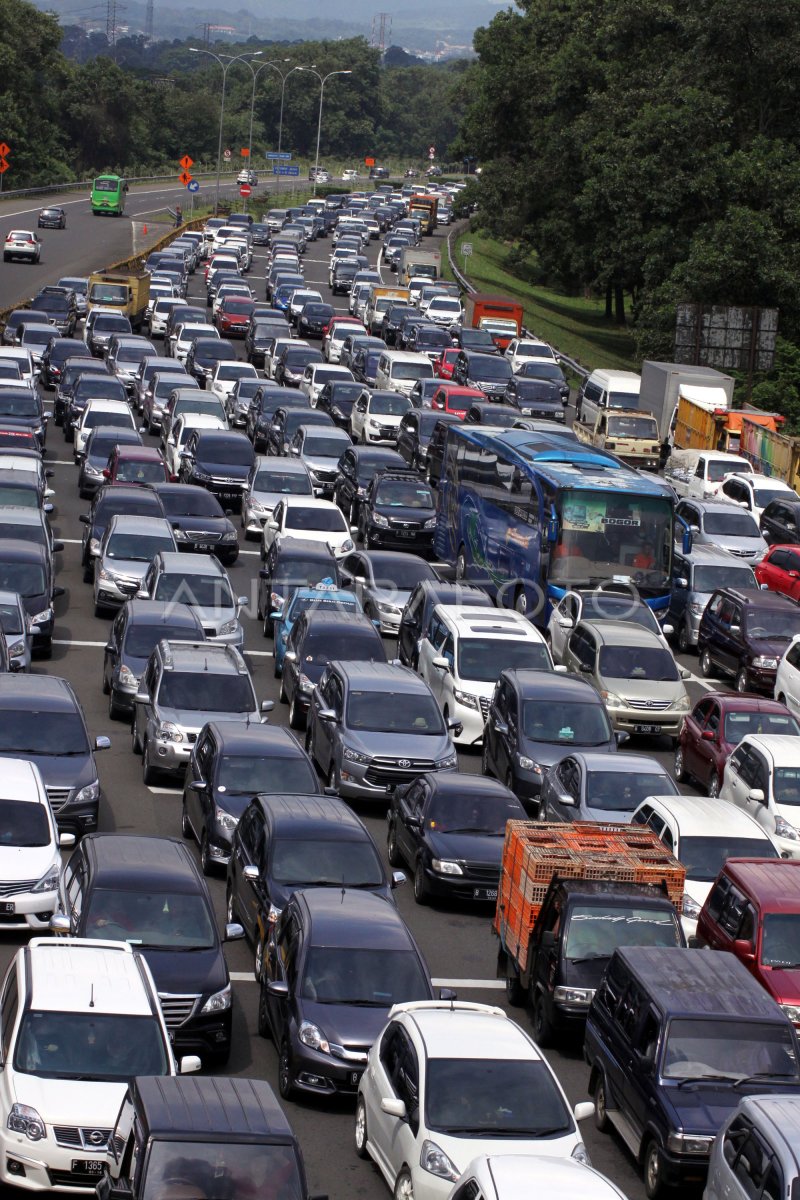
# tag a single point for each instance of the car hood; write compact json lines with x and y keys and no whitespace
{"x":218,"y":525}
{"x":71,"y":1101}
{"x":769,"y":647}
{"x":61,"y":771}
{"x":397,"y":513}
{"x":193,"y":720}
{"x":783,"y":985}
{"x":320,"y":462}
{"x":547,"y":754}
{"x":460,"y":1150}
{"x":399,"y":598}
{"x":750,"y":544}
{"x":225,"y":470}
{"x":703,"y":1109}
{"x":184,"y":972}
{"x":469,"y":847}
{"x":346,"y":1024}
{"x":644,"y":689}
{"x":25,"y":862}
{"x":611,"y":816}
{"x":318,"y":537}
{"x":130,"y":568}
{"x":400,"y":745}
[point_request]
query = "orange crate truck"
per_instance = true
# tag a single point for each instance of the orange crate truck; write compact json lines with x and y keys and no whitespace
{"x":569,"y":895}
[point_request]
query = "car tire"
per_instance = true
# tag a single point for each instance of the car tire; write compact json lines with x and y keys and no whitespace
{"x":713,"y":785}
{"x":360,"y":1137}
{"x":653,"y":1170}
{"x":403,"y":1187}
{"x":106,"y":685}
{"x":285,"y":1079}
{"x":461,"y":563}
{"x":543,"y":1031}
{"x":684,"y":641}
{"x":706,"y":665}
{"x":258,"y":960}
{"x":150,"y":775}
{"x":282,"y":696}
{"x":115,"y":713}
{"x":421,"y":888}
{"x":264,"y":1028}
{"x":485,"y":768}
{"x":521,"y":602}
{"x":392,"y":849}
{"x":515,"y":992}
{"x":135,"y":743}
{"x":601,"y":1120}
{"x":297,"y":718}
{"x":206,"y":863}
{"x":333,"y":782}
{"x":186,"y":829}
{"x":742,"y":681}
{"x":680,"y":768}
{"x":88,"y":574}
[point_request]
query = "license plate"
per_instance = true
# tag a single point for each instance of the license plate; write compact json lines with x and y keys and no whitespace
{"x":409,"y":533}
{"x":354,"y":1078}
{"x":484,"y":893}
{"x":88,"y":1166}
{"x":8,"y":906}
{"x":647,"y":729}
{"x":204,"y":545}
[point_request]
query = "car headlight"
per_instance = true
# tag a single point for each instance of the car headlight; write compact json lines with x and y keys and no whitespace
{"x":433,"y":1159}
{"x":785,"y":830}
{"x":581,"y":1155}
{"x":229,"y":537}
{"x":450,"y":760}
{"x":88,"y":794}
{"x":347,"y":546}
{"x":225,"y":820}
{"x":390,"y":609}
{"x":687,"y":1143}
{"x":219,"y":1001}
{"x":273,"y":914}
{"x":766,"y":662}
{"x":312,"y":1036}
{"x":17,"y":650}
{"x":572,"y":995}
{"x":180,"y":535}
{"x":94,"y":545}
{"x":681,"y":704}
{"x":24,"y":1119}
{"x":91,"y":471}
{"x":306,"y":684}
{"x":127,"y":677}
{"x":612,"y":700}
{"x":430,"y":524}
{"x":49,"y":881}
{"x":792,"y":1011}
{"x":276,"y":600}
{"x":257,"y":507}
{"x":465,"y":698}
{"x":200,"y":474}
{"x":42,"y":618}
{"x":373,"y":424}
{"x":527,"y":764}
{"x":169,"y":732}
{"x":229,"y":626}
{"x":105,"y":574}
{"x":445,"y":866}
{"x":697,"y":610}
{"x":380,"y":520}
{"x":356,"y":756}
{"x":690,"y":908}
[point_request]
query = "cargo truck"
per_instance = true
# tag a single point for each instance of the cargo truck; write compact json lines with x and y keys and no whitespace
{"x":770,"y":451}
{"x":498,"y":315}
{"x":381,"y":298}
{"x":629,"y":434}
{"x":426,"y":209}
{"x":698,"y":427}
{"x":413,"y":261}
{"x":125,"y":292}
{"x":663,"y":383}
{"x":569,"y":895}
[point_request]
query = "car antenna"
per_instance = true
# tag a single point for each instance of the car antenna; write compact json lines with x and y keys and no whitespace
{"x":205,"y":664}
{"x":91,"y":997}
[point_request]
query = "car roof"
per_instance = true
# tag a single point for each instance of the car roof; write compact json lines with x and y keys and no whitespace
{"x":298,"y":548}
{"x":173,"y":562}
{"x":304,"y":816}
{"x":622,"y":762}
{"x":210,"y":1108}
{"x":356,"y":919}
{"x":15,"y":550}
{"x":463,"y":783}
{"x":196,"y":656}
{"x":783,"y":749}
{"x":380,"y":677}
{"x":702,"y":984}
{"x":715,"y":555}
{"x":37,"y":692}
{"x":512,"y":1175}
{"x":21,"y":780}
{"x":126,"y":860}
{"x":549,"y":685}
{"x":707,"y":816}
{"x":477,"y":621}
{"x":286,"y":466}
{"x":157,"y":612}
{"x":458,"y":1032}
{"x":759,"y":598}
{"x":78,"y":975}
{"x":140,"y":453}
{"x":132,"y":523}
{"x":309,"y":502}
{"x":622,"y":633}
{"x":773,"y":882}
{"x":121,"y":492}
{"x":738,"y":702}
{"x":782,"y":1113}
{"x":275,"y":741}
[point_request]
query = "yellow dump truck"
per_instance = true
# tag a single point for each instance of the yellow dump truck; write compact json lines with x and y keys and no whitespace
{"x":626,"y":432}
{"x":125,"y":292}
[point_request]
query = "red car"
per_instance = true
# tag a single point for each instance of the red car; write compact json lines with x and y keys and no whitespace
{"x":443,"y":367}
{"x":233,"y":316}
{"x":136,"y":464}
{"x":714,"y":728}
{"x":451,"y":398}
{"x":779,"y":569}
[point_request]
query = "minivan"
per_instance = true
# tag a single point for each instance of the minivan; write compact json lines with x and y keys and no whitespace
{"x":607,"y":389}
{"x":399,"y":370}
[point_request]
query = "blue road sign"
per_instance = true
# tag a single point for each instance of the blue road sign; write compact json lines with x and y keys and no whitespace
{"x":285,"y":170}
{"x":281,"y":154}
{"x":193,"y":186}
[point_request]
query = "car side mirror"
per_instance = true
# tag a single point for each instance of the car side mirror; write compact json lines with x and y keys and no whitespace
{"x":141,"y":698}
{"x":273,"y":525}
{"x":102,"y":742}
{"x":757,"y":796}
{"x":398,"y":878}
{"x":234,"y":932}
{"x":60,"y":923}
{"x":66,"y":840}
{"x":198,"y":785}
{"x":736,"y":629}
{"x":501,"y":727}
{"x":267,"y":706}
{"x":744,"y":948}
{"x":47,"y":508}
{"x":326,"y":714}
{"x":84,"y":519}
{"x":565,"y":622}
{"x":278,"y":988}
{"x":189,"y":1064}
{"x":707,"y":735}
{"x":441,"y":663}
{"x":106,"y":472}
{"x":621,"y":737}
{"x":58,"y":591}
{"x":584,"y":1110}
{"x":57,"y":547}
{"x":456,"y":726}
{"x":113,"y":1189}
{"x":143,"y":429}
{"x":566,"y":799}
{"x":34,"y":629}
{"x":680,"y":582}
{"x":290,"y":656}
{"x":250,"y":873}
{"x":684,"y":673}
{"x":394,"y":1108}
{"x":548,"y":939}
{"x":241,"y":601}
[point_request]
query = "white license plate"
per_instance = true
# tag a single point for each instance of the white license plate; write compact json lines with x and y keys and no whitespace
{"x":647,"y":729}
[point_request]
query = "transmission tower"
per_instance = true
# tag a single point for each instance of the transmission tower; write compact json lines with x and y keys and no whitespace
{"x":148,"y":21}
{"x":381,"y":27}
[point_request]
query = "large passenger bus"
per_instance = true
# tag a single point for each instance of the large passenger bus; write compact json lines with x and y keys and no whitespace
{"x":530,"y":515}
{"x":108,"y":195}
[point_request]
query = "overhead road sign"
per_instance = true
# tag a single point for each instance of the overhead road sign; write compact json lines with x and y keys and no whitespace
{"x":285,"y":170}
{"x":284,"y":155}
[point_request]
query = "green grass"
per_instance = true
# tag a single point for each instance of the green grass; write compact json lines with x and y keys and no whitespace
{"x":574,"y":325}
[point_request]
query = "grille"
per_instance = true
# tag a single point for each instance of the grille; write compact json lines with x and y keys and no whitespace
{"x":483,"y":873}
{"x":397,"y":524}
{"x":87,"y":1138}
{"x":176,"y":1009}
{"x":191,"y":737}
{"x":72,"y":1179}
{"x":18,"y":887}
{"x":485,"y":707}
{"x":209,"y":631}
{"x":389,"y":772}
{"x":203,"y":535}
{"x":649,"y":705}
{"x":327,"y":476}
{"x":741,"y":553}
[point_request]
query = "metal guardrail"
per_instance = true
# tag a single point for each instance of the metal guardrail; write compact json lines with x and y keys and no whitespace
{"x":82,"y":185}
{"x":571,"y":363}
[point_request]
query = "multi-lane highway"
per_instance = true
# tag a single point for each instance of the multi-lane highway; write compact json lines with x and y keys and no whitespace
{"x":457,"y":942}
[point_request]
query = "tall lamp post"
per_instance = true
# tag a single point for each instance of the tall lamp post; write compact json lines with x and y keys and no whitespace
{"x":225,"y":67}
{"x":256,"y":74}
{"x":284,"y":76}
{"x":323,"y":79}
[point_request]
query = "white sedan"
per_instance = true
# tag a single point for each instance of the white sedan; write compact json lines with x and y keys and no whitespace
{"x":524,"y":350}
{"x":318,"y":521}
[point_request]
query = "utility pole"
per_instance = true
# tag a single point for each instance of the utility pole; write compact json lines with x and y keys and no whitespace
{"x":148,"y":21}
{"x":381,"y":25}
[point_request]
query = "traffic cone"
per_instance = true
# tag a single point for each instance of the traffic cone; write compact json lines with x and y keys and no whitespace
{"x":144,"y":231}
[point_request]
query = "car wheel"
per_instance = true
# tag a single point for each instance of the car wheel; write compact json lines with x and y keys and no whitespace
{"x":230,"y":906}
{"x":149,"y":774}
{"x":543,"y":1031}
{"x":510,"y":779}
{"x":713,"y":785}
{"x":186,"y":829}
{"x":485,"y":768}
{"x":652,"y":1169}
{"x":600,"y":1106}
{"x":706,"y":665}
{"x":515,"y":992}
{"x":264,"y":1029}
{"x":284,"y":699}
{"x":135,"y":743}
{"x":680,"y":769}
{"x":392,"y":849}
{"x":743,"y":681}
{"x":367,"y":541}
{"x":206,"y":862}
{"x":421,"y":889}
{"x":106,"y":684}
{"x":684,"y":641}
{"x":297,"y":718}
{"x":461,"y":563}
{"x":403,"y":1187}
{"x":361,"y":1130}
{"x":285,"y":1079}
{"x":115,"y":713}
{"x":521,"y":602}
{"x":258,"y":960}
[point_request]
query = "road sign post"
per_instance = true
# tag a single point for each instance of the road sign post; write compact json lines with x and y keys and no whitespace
{"x":5,"y":149}
{"x":288,"y":170}
{"x":226,"y":154}
{"x":245,"y":190}
{"x":466,"y":250}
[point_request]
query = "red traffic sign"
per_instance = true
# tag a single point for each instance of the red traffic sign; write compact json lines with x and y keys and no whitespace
{"x":186,"y":162}
{"x":245,"y":189}
{"x":431,"y":149}
{"x":369,"y":162}
{"x":4,"y":149}
{"x":185,"y":178}
{"x":3,"y":166}
{"x":245,"y":152}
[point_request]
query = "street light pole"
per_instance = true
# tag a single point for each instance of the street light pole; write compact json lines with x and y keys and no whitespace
{"x":323,"y":79}
{"x":225,"y":67}
{"x":284,"y":77}
{"x":253,"y":98}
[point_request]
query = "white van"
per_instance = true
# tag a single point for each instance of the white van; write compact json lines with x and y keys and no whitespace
{"x":399,"y":370}
{"x":607,"y":389}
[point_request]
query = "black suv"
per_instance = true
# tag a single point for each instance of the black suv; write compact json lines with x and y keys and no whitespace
{"x":230,"y":765}
{"x":744,"y":632}
{"x":398,"y":513}
{"x":113,"y":498}
{"x":780,"y":521}
{"x":487,"y":372}
{"x":204,"y":354}
{"x":198,"y":521}
{"x":674,"y":1039}
{"x":220,"y":461}
{"x":314,"y":640}
{"x":336,"y":969}
{"x":61,"y":308}
{"x":337,"y":399}
{"x":289,"y":564}
{"x":357,"y":467}
{"x":536,"y":398}
{"x":147,"y":890}
{"x":135,"y":632}
{"x":268,"y":399}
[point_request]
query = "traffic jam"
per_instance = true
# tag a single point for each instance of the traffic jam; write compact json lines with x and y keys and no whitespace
{"x":401,"y":744}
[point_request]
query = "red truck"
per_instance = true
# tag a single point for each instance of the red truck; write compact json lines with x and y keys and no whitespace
{"x":498,"y":315}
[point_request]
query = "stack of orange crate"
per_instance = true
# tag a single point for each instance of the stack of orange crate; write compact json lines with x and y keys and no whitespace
{"x":535,"y":852}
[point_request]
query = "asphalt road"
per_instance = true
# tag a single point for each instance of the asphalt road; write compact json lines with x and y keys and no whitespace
{"x":457,"y":943}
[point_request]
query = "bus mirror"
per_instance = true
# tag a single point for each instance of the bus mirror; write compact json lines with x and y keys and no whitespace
{"x":687,"y":542}
{"x":552,"y":530}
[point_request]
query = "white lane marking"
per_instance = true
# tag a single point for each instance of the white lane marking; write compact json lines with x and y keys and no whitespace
{"x":85,"y":200}
{"x":70,"y":541}
{"x":260,"y":653}
{"x":69,"y":642}
{"x":59,"y":462}
{"x":164,"y":791}
{"x":486,"y":985}
{"x":708,"y":685}
{"x":253,"y":552}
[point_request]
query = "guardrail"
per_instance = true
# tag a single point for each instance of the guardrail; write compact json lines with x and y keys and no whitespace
{"x":82,"y":185}
{"x":571,"y":363}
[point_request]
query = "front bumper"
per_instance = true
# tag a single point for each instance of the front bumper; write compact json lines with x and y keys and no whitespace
{"x":325,"y":1074}
{"x":28,"y":910}
{"x":479,"y":889}
{"x":171,"y":756}
{"x":109,"y":594}
{"x":46,"y":1166}
{"x":641,"y":721}
{"x":207,"y":1035}
{"x":416,"y":541}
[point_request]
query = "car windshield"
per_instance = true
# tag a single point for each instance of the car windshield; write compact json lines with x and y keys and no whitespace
{"x":637,"y":662}
{"x":704,"y":857}
{"x":597,"y":930}
{"x":19,"y":496}
{"x":763,"y":496}
{"x":367,"y":977}
{"x":297,"y":572}
{"x":398,"y":712}
{"x":37,"y":337}
{"x":213,"y":351}
{"x":141,"y":471}
{"x":573,"y":723}
{"x":234,"y":453}
{"x":730,"y":524}
{"x":141,"y":640}
{"x":708,"y":579}
{"x":98,"y":387}
{"x":200,"y":591}
{"x":402,"y":493}
{"x":22,"y":532}
{"x":769,"y":623}
{"x":14,"y":404}
{"x":325,"y":447}
{"x":470,"y":813}
{"x":10,"y":618}
{"x":137,"y":547}
{"x":318,"y":863}
{"x":89,"y":1046}
{"x":107,"y":324}
{"x":623,"y":791}
{"x":23,"y":824}
{"x":249,"y":774}
{"x":116,"y":420}
{"x":180,"y":920}
{"x":482,"y":660}
{"x":401,"y":574}
{"x":729,"y":1049}
{"x":26,"y":578}
{"x":321,"y":520}
{"x":403,"y":370}
{"x":201,"y":691}
{"x":191,"y":502}
{"x":719,"y":468}
{"x":738,"y":724}
{"x":786,"y":785}
{"x":491,"y":368}
{"x":212,"y":407}
{"x":221,"y":1168}
{"x":286,"y":483}
{"x":494,"y":1098}
{"x":30,"y":731}
{"x":144,"y":504}
{"x":632,"y":427}
{"x":326,"y":645}
{"x":230,"y":371}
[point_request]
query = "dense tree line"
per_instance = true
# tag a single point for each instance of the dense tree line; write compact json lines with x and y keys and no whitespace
{"x":68,"y":117}
{"x":646,"y":149}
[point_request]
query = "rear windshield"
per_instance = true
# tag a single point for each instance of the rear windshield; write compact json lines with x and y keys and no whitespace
{"x":197,"y":692}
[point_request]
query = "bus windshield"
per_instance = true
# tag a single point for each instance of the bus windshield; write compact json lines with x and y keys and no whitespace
{"x":609,"y":535}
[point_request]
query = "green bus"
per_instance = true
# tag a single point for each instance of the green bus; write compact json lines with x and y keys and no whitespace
{"x":108,"y":195}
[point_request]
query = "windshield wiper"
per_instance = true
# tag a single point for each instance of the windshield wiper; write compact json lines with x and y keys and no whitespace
{"x":588,"y":957}
{"x":767,"y":1075}
{"x":695,"y":1079}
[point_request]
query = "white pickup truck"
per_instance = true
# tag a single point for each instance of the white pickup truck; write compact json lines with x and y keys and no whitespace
{"x":698,"y":474}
